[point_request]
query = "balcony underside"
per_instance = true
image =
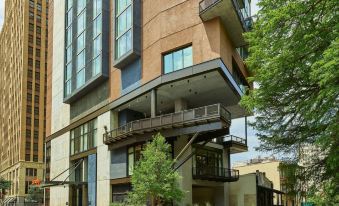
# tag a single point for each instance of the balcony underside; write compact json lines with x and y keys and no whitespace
{"x":206,"y":131}
{"x":235,"y":147}
{"x":225,"y":9}
{"x":234,"y":143}
{"x":203,"y":84}
{"x":209,"y":121}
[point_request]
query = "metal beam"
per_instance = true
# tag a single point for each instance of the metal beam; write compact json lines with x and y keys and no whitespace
{"x":186,"y":146}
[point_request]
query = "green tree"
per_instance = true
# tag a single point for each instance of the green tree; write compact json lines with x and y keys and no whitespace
{"x":4,"y":185}
{"x":153,"y":178}
{"x":35,"y":194}
{"x":294,"y":56}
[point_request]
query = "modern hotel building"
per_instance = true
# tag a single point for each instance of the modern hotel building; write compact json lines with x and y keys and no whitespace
{"x":121,"y":71}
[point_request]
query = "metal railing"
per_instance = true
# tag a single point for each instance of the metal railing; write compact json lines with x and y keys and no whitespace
{"x":216,"y":111}
{"x":243,"y":13}
{"x":215,"y":173}
{"x":234,"y":138}
{"x":206,"y":4}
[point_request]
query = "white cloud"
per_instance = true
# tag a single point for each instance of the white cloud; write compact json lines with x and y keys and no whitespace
{"x":2,"y":12}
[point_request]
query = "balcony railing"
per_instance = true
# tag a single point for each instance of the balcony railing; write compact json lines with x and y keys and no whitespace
{"x":242,"y":9}
{"x":184,"y":118}
{"x":232,"y":138}
{"x":206,"y":4}
{"x":215,"y":174}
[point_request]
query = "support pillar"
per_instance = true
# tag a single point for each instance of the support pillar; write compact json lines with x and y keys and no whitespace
{"x":154,"y":103}
{"x":180,"y":104}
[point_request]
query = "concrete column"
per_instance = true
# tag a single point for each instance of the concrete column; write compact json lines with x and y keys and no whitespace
{"x":180,"y":104}
{"x":103,"y":161}
{"x":154,"y":103}
{"x":185,"y":171}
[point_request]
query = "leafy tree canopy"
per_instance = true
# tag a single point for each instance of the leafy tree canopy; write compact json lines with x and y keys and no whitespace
{"x":153,"y":177}
{"x":35,"y":194}
{"x":4,"y":184}
{"x":294,"y":56}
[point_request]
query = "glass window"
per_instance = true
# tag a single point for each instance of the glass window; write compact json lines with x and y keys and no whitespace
{"x":68,"y":87}
{"x":178,"y":60}
{"x":81,"y":22}
{"x":68,"y":71}
{"x":31,"y":3}
{"x":168,"y":63}
{"x":121,"y":5}
{"x":97,"y":5}
{"x":83,"y":137}
{"x":69,"y":17}
{"x":97,"y":46}
{"x":81,"y":60}
{"x":123,"y":28}
{"x":69,"y":54}
{"x":96,"y":65}
{"x":69,"y":36}
{"x":97,"y":26}
{"x":72,"y":142}
{"x":39,"y":7}
{"x":81,"y":5}
{"x":69,"y":4}
{"x":80,"y":78}
{"x":188,"y":58}
{"x":81,"y":42}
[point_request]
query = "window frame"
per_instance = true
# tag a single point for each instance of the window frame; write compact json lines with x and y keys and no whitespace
{"x":129,"y":28}
{"x":171,"y":52}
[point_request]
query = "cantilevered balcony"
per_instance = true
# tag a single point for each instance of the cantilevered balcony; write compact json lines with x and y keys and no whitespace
{"x":203,"y":119}
{"x":235,"y":15}
{"x":236,"y":144}
{"x":217,"y":174}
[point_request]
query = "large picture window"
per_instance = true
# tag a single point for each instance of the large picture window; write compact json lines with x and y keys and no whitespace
{"x":134,"y":155}
{"x":123,"y":28}
{"x":84,"y":137}
{"x":177,"y":60}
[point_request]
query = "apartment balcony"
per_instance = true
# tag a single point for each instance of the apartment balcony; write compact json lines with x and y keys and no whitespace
{"x":217,"y":174}
{"x":235,"y":15}
{"x":236,"y":144}
{"x":202,"y":119}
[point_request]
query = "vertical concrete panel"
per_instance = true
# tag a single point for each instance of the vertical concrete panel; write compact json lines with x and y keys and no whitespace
{"x":103,"y":163}
{"x":59,"y":163}
{"x":60,"y":111}
{"x":92,"y":172}
{"x":185,"y":170}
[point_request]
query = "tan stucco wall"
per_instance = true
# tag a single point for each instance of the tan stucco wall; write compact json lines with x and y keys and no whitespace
{"x":270,"y":168}
{"x":243,"y":192}
{"x":168,"y":25}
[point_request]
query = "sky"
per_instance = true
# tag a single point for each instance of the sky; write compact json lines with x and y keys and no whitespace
{"x":2,"y":12}
{"x":238,"y":125}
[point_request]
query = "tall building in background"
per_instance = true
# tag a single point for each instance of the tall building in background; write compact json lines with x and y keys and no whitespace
{"x":23,"y":61}
{"x":123,"y":70}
